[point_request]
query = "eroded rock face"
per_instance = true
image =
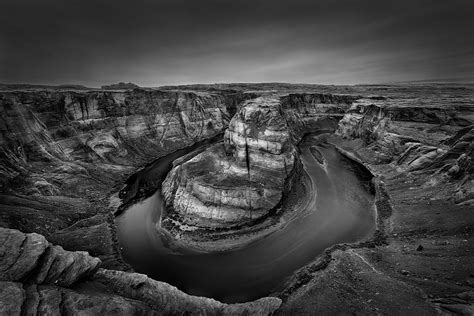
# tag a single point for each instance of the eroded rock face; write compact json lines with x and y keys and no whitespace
{"x":438,"y":141}
{"x":105,"y":127}
{"x":36,"y":278}
{"x":243,"y":178}
{"x":396,"y":129}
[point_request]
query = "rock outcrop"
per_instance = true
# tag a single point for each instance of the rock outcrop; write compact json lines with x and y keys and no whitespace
{"x":243,"y":178}
{"x":31,"y":258}
{"x":37,"y":277}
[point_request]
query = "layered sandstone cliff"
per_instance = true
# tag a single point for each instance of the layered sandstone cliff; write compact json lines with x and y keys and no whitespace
{"x":104,"y":127}
{"x":241,"y":179}
{"x":435,"y":140}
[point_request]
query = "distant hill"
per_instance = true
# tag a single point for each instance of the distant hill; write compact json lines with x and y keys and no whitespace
{"x":458,"y":80}
{"x":258,"y":86}
{"x":26,"y":86}
{"x":120,"y":86}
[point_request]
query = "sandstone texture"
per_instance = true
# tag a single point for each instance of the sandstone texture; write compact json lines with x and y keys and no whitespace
{"x":242,"y":178}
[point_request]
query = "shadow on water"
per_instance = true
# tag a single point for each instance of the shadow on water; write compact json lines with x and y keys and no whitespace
{"x":340,"y":209}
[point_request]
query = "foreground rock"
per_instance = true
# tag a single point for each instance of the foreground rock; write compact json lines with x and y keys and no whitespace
{"x":39,"y":278}
{"x":170,"y":301}
{"x":30,"y":257}
{"x":241,"y":179}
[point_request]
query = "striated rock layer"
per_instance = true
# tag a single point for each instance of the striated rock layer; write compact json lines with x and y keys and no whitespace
{"x":103,"y":127}
{"x":418,"y":140}
{"x":242,"y":178}
{"x":415,"y":139}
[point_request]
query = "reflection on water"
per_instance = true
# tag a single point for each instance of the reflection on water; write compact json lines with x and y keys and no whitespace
{"x":339,"y":211}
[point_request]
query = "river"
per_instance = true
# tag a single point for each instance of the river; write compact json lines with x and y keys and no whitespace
{"x":339,"y":209}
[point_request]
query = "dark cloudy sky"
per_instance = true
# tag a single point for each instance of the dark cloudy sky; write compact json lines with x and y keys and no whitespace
{"x":94,"y":42}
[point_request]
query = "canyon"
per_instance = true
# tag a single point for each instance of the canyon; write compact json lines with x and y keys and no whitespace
{"x":70,"y":159}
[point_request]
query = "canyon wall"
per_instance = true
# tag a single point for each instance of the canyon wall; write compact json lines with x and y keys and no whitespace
{"x":241,"y":179}
{"x":310,"y":112}
{"x":62,"y":152}
{"x":121,"y":128}
{"x":435,"y":140}
{"x":417,"y":141}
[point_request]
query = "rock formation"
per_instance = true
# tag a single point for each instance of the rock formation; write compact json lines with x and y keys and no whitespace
{"x":37,"y":277}
{"x":392,"y":128}
{"x":243,"y":178}
{"x":409,"y":138}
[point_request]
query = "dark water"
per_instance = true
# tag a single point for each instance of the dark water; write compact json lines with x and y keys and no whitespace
{"x":339,"y":210}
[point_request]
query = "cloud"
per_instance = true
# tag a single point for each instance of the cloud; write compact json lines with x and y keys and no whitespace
{"x":164,"y":42}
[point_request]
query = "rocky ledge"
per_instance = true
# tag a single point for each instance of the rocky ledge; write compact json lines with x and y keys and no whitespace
{"x":240,"y":179}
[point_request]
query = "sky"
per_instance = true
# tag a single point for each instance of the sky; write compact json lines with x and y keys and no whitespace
{"x":153,"y":42}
